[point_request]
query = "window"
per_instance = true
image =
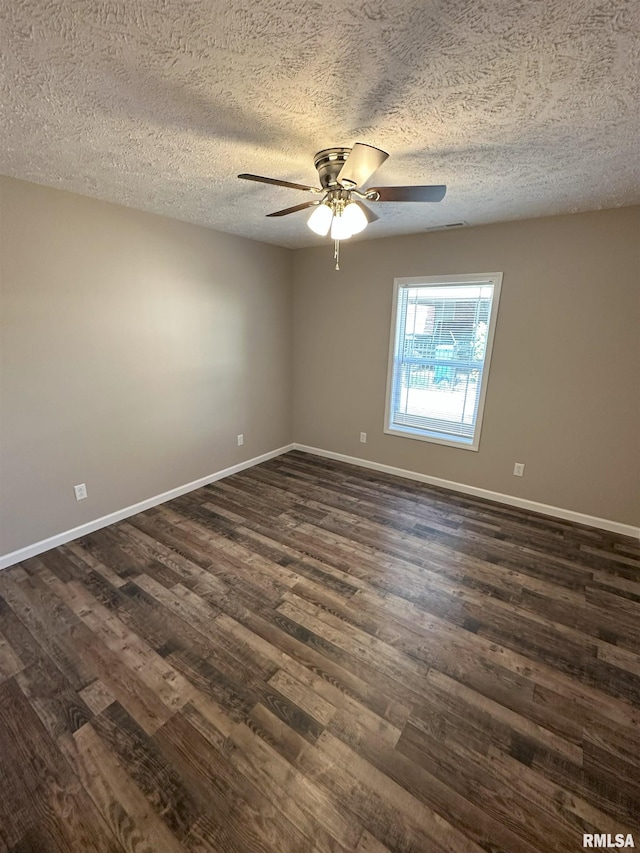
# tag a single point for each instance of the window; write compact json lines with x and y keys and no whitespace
{"x":441,"y":338}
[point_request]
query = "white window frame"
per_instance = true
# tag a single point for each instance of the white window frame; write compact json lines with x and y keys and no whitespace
{"x":494,"y":278}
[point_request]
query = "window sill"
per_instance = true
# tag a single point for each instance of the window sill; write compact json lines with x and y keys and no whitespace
{"x":433,"y":437}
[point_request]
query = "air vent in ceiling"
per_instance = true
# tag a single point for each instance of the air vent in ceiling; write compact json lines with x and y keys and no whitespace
{"x":449,"y":226}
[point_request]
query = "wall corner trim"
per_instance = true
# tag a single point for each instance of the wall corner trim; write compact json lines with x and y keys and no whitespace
{"x":43,"y":545}
{"x":509,"y":500}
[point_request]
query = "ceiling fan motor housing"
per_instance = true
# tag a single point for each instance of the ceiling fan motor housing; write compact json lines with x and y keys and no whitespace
{"x":329,"y":163}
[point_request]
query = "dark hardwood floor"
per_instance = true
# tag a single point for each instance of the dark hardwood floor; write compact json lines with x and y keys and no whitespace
{"x":313,"y":658}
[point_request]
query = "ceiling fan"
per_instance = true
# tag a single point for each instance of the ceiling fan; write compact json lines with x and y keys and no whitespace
{"x":340,"y":207}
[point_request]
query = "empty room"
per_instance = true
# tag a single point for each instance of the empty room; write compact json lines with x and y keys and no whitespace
{"x":319,"y":426}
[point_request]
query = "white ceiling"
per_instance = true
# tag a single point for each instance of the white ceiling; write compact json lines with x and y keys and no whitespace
{"x":522,"y":107}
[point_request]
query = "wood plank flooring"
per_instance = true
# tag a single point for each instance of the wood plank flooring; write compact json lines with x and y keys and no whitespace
{"x":308,"y":657}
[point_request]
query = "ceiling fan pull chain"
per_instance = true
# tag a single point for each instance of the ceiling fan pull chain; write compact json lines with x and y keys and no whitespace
{"x":336,"y":253}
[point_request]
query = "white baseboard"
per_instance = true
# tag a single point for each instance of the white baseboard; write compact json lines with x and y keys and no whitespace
{"x":60,"y":538}
{"x":509,"y":500}
{"x":14,"y":557}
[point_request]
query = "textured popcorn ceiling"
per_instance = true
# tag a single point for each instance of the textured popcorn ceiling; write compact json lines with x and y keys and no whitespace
{"x":522,"y":107}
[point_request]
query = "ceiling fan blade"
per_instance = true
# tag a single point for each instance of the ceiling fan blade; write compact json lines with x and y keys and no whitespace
{"x":371,"y":216}
{"x":361,"y":163}
{"x":294,"y":209}
{"x":278,"y":183}
{"x":433,"y":193}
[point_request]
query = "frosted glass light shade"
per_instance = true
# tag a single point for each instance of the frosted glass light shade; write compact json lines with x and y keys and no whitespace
{"x":340,"y":229}
{"x":354,"y":218}
{"x":320,"y":220}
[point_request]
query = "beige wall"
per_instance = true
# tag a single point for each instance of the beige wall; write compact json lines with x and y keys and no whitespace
{"x":564,"y":390}
{"x":134,"y":350}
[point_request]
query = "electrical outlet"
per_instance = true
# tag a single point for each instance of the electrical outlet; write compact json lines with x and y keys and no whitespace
{"x":240,"y":440}
{"x":518,"y":469}
{"x":81,"y":491}
{"x":363,"y":437}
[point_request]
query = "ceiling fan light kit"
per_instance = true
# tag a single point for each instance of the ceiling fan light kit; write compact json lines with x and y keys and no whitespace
{"x":320,"y":220}
{"x":343,"y":218}
{"x":354,"y":218}
{"x":343,"y":173}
